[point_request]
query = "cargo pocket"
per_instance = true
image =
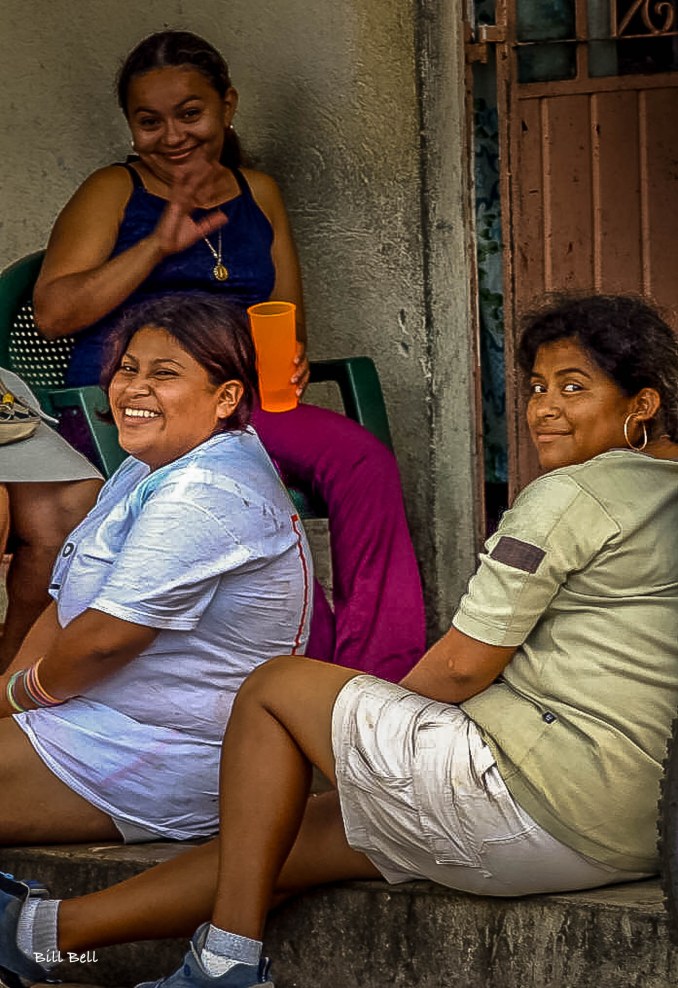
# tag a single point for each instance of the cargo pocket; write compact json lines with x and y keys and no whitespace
{"x":445,"y":785}
{"x":371,"y":799}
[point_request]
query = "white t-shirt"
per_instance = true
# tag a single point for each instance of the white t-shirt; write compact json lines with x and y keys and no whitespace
{"x":209,"y":550}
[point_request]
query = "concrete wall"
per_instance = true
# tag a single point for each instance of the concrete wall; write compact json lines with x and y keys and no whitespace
{"x":356,"y":107}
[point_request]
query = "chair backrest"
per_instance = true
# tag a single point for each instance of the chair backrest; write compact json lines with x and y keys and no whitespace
{"x":41,"y":363}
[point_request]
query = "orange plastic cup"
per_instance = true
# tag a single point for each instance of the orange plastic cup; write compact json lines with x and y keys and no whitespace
{"x":273,"y":331}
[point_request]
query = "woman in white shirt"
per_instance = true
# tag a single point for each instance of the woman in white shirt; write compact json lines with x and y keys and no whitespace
{"x":191,"y":569}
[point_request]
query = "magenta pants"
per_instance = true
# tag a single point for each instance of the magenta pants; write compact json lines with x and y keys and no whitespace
{"x":378,"y":622}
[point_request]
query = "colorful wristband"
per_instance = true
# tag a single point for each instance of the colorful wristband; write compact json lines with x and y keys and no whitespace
{"x":13,"y":702}
{"x":35,"y":690}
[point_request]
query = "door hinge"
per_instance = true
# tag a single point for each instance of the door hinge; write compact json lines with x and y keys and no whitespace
{"x":478,"y":40}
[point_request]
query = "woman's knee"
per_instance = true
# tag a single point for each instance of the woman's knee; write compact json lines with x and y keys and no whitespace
{"x":44,"y":514}
{"x":269,"y":678}
{"x":312,"y":443}
{"x":360,"y":463}
{"x":290,"y":684}
{"x":72,"y":501}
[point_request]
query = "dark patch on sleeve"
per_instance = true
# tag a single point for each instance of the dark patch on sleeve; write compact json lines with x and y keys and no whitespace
{"x":519,"y":555}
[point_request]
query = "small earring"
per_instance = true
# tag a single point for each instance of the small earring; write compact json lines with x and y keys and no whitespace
{"x":638,"y":449}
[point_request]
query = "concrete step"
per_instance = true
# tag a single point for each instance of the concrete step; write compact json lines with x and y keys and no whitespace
{"x":370,"y":934}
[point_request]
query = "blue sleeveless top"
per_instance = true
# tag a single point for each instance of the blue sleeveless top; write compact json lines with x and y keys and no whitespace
{"x":245,"y":249}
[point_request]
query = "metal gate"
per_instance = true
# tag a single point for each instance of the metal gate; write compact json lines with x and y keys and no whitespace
{"x":588,"y":132}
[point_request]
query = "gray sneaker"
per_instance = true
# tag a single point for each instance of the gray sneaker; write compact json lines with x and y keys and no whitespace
{"x":15,"y":966}
{"x":192,"y":973}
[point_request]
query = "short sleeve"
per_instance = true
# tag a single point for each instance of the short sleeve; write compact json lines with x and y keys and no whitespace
{"x":554,"y":529}
{"x":169,"y":566}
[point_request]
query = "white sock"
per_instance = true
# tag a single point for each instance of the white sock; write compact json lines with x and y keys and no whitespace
{"x":36,"y":933}
{"x":223,"y":950}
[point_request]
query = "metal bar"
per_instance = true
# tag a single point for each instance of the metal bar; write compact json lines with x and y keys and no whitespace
{"x":582,"y":31}
{"x":505,"y":17}
{"x":507,"y":110}
{"x":547,"y":206}
{"x":605,"y":84}
{"x":596,"y":198}
{"x":581,"y":19}
{"x":470,"y":224}
{"x":628,"y":17}
{"x":645,"y":253}
{"x":576,"y":37}
{"x":647,"y":36}
{"x":582,"y":61}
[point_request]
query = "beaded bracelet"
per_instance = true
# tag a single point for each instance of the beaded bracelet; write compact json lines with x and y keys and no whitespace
{"x":35,"y":690}
{"x":13,"y":702}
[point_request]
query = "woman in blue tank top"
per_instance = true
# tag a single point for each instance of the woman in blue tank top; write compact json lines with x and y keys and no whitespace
{"x":245,"y":249}
{"x":184,"y":215}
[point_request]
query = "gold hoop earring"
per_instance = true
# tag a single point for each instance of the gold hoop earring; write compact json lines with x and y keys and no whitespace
{"x":638,"y":449}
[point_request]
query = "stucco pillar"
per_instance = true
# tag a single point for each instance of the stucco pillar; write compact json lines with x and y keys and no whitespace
{"x":448,"y":278}
{"x":450,"y":339}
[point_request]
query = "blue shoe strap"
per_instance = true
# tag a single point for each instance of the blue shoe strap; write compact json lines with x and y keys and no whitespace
{"x":29,"y":889}
{"x":264,"y":969}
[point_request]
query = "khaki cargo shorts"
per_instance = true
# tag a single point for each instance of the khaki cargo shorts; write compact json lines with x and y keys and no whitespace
{"x":422,"y":797}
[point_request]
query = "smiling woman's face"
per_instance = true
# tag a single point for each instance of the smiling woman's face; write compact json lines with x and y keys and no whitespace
{"x":177,"y":117}
{"x":575,"y":410}
{"x":163,"y":401}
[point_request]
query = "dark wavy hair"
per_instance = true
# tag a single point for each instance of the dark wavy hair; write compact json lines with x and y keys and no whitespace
{"x":623,"y":335}
{"x":212,"y":331}
{"x":180,"y":49}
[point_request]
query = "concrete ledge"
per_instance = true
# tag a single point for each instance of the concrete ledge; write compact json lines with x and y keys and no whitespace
{"x":369,"y":934}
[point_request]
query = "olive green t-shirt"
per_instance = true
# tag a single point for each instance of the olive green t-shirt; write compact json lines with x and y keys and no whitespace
{"x":582,"y":575}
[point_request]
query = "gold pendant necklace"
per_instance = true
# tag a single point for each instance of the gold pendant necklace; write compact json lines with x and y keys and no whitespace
{"x":220,"y":271}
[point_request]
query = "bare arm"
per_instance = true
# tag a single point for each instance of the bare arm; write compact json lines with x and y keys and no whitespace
{"x":38,"y":640}
{"x":87,"y":650}
{"x":78,"y":283}
{"x":287,"y":287}
{"x":457,"y":667}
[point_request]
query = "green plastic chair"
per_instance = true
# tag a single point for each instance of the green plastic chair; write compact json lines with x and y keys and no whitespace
{"x":42,"y":364}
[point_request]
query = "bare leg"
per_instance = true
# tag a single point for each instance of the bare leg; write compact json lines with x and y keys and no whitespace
{"x":4,"y":524}
{"x":265,"y":779}
{"x":4,"y":518}
{"x":170,"y":900}
{"x":42,"y":515}
{"x":37,"y":807}
{"x":280,"y":725}
{"x":173,"y":898}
